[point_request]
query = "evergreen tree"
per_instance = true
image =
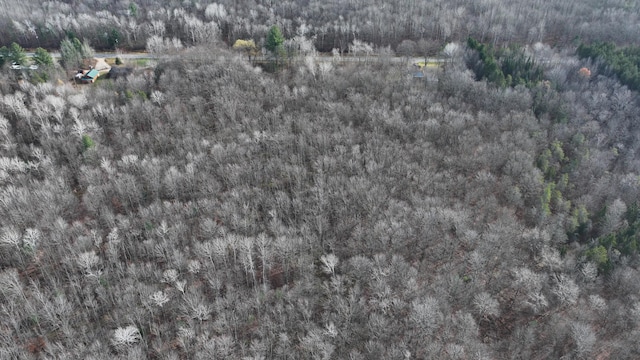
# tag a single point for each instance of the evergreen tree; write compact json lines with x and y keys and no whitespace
{"x":274,"y":44}
{"x":274,"y":39}
{"x":16,"y":54}
{"x":13,"y":54}
{"x":42,"y":57}
{"x":73,"y":52}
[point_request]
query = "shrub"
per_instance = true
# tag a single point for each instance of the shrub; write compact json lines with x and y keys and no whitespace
{"x":87,"y":142}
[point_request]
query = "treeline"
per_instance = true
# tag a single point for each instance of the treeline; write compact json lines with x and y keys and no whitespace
{"x":504,"y":67}
{"x":621,"y":62}
{"x":330,"y":25}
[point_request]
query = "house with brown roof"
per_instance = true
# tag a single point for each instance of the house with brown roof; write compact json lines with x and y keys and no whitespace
{"x":99,"y":64}
{"x":97,"y":67}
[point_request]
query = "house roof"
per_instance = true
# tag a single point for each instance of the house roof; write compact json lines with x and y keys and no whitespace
{"x":97,"y":63}
{"x":93,"y":73}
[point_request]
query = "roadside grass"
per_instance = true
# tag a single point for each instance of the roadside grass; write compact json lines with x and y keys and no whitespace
{"x":431,"y":64}
{"x":130,"y":62}
{"x":141,"y":62}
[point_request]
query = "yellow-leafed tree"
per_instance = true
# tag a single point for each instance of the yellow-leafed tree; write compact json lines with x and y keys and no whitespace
{"x":248,"y":46}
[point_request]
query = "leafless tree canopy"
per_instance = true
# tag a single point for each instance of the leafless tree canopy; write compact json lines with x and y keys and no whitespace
{"x":210,"y":206}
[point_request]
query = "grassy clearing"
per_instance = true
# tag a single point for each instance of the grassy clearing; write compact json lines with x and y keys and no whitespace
{"x":431,"y":64}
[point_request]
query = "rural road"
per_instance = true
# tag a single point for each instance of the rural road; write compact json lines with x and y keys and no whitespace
{"x":136,"y":55}
{"x":324,"y":58}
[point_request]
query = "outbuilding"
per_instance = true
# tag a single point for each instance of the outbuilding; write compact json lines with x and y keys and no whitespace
{"x":87,"y":77}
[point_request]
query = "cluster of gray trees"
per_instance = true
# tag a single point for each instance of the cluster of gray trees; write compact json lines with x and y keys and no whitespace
{"x":426,"y":25}
{"x":209,"y":209}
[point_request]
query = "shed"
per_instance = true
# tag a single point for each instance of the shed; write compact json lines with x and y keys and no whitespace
{"x":86,"y":77}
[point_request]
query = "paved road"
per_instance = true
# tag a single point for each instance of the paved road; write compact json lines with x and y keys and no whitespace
{"x":136,"y":55}
{"x":365,"y":59}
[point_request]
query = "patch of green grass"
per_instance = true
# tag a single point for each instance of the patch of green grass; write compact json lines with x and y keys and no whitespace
{"x":141,"y":62}
{"x":423,"y":64}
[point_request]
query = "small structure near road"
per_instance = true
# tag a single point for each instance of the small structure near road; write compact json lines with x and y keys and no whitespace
{"x":15,"y":66}
{"x":97,"y":67}
{"x":86,"y":76}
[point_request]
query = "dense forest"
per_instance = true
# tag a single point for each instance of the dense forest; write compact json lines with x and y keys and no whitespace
{"x":623,"y":62}
{"x":426,"y":24}
{"x":211,"y":206}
